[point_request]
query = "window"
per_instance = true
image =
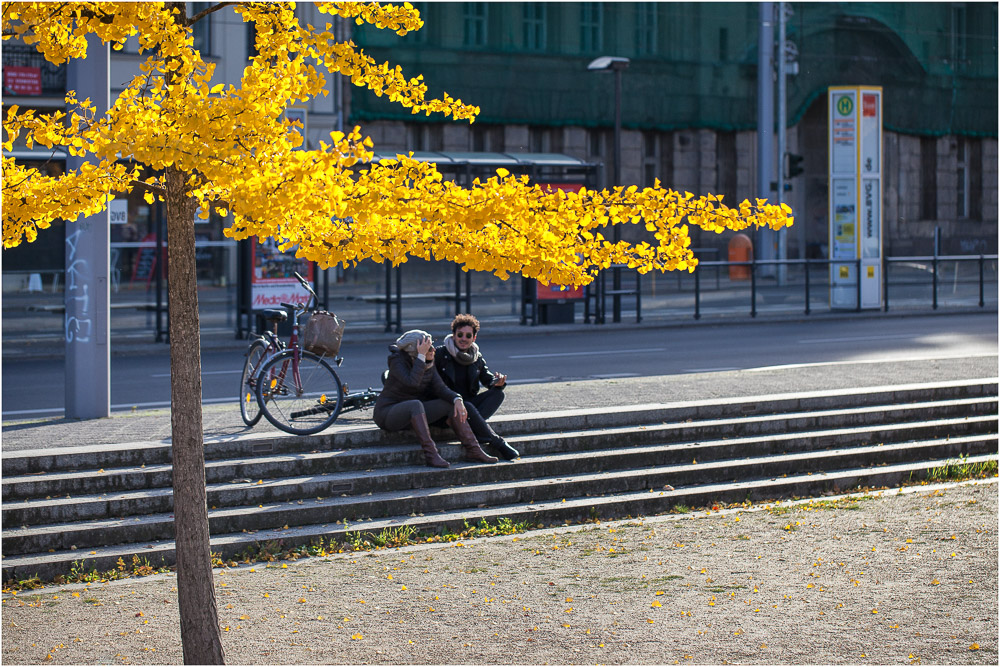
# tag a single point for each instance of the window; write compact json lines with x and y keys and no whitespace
{"x":650,"y":158}
{"x":723,"y":45}
{"x":928,"y":178}
{"x":202,"y":30}
{"x":538,"y":140}
{"x":962,"y":182}
{"x":595,"y":142}
{"x":424,"y":137}
{"x":474,"y":24}
{"x":974,"y":160}
{"x":591,"y":27}
{"x":533,"y":25}
{"x":726,"y":159}
{"x":646,"y":28}
{"x":487,"y":138}
{"x":252,"y":40}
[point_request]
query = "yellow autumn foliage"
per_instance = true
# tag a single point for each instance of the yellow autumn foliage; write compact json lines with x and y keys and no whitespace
{"x":333,"y":203}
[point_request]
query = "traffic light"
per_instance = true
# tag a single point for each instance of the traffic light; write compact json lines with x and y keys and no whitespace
{"x":794,"y":165}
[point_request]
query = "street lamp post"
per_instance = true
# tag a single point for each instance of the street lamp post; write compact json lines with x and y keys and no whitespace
{"x":615,"y":64}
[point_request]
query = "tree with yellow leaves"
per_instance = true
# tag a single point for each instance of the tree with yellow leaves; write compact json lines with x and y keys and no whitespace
{"x":231,"y":149}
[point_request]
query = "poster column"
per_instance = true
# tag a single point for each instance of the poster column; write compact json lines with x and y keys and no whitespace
{"x":855,"y":187}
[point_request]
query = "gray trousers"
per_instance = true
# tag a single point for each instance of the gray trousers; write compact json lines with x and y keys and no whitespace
{"x":398,"y":417}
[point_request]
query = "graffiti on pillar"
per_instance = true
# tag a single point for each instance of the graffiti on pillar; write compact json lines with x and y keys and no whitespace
{"x":78,"y":323}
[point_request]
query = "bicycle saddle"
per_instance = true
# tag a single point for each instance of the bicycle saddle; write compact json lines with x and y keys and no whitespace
{"x":274,"y":315}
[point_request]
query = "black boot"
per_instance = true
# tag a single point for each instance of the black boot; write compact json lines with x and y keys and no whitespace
{"x":485,"y":434}
{"x":431,"y":455}
{"x":503,"y":448}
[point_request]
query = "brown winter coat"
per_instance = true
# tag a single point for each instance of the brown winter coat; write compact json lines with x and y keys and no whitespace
{"x":409,"y":379}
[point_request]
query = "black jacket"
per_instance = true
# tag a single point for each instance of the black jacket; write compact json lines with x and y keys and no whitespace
{"x":479,"y":373}
{"x":409,"y":379}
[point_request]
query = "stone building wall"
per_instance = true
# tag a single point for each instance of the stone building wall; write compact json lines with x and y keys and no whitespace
{"x":695,"y":166}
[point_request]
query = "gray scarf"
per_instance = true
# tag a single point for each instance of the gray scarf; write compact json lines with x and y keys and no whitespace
{"x":465,"y":358}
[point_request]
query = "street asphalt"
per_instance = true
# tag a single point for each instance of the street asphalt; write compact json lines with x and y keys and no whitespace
{"x":222,"y":421}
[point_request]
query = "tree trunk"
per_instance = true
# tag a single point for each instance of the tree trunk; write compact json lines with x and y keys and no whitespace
{"x":200,"y":634}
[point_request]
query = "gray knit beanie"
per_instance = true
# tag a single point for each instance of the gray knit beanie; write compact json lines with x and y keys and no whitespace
{"x":409,"y":340}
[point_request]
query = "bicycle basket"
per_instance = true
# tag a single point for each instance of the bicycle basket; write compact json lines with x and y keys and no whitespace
{"x":322,"y":333}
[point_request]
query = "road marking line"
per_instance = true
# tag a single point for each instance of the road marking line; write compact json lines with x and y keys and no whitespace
{"x":531,"y":380}
{"x":710,"y":370}
{"x":866,"y":361}
{"x":850,"y":339}
{"x":587,"y":354}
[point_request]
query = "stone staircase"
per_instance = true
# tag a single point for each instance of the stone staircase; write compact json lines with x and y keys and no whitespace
{"x":98,"y":504}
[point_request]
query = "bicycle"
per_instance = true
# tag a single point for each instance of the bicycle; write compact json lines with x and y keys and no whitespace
{"x":294,"y":389}
{"x":263,"y":347}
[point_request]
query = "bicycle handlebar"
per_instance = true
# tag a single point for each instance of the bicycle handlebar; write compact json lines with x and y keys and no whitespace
{"x":305,"y":283}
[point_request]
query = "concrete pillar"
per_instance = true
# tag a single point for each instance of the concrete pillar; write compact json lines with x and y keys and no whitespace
{"x":88,"y":295}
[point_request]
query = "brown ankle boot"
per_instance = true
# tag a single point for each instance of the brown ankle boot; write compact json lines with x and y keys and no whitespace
{"x":470,"y":446}
{"x":419,"y":426}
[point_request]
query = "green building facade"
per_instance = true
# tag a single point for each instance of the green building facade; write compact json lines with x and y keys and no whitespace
{"x":690,"y":99}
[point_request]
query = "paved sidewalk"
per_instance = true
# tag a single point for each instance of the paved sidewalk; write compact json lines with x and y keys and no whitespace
{"x":898,"y":579}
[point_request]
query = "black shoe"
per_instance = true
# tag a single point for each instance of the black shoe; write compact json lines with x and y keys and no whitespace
{"x":504,"y":450}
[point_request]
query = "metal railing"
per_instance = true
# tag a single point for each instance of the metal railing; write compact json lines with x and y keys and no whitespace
{"x":935,"y":265}
{"x":933,"y":262}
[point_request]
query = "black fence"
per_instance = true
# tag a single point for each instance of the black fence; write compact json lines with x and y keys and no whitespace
{"x":919,"y":273}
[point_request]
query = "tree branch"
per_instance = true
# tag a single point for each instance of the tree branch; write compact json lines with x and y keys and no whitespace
{"x":205,"y":12}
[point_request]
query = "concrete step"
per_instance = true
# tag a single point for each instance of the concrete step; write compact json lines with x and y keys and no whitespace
{"x":283,"y":478}
{"x":576,"y":463}
{"x":541,"y":478}
{"x":137,"y":454}
{"x":580,"y":508}
{"x":151,"y":476}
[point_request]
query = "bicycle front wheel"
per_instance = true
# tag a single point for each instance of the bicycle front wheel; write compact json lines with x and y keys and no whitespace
{"x":249,"y":407}
{"x":300,"y":398}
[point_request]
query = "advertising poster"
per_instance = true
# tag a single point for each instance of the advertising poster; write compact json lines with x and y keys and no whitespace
{"x":871,"y":126}
{"x":22,"y":80}
{"x":871,"y":241}
{"x":118,"y":210}
{"x":273,"y":281}
{"x":845,"y":240}
{"x":844,"y":133}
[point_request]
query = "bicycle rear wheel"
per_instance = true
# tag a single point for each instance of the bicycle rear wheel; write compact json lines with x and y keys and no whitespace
{"x":249,"y":407}
{"x":301,"y":400}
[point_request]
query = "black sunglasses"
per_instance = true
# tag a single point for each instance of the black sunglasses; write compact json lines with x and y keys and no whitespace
{"x":465,"y":335}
